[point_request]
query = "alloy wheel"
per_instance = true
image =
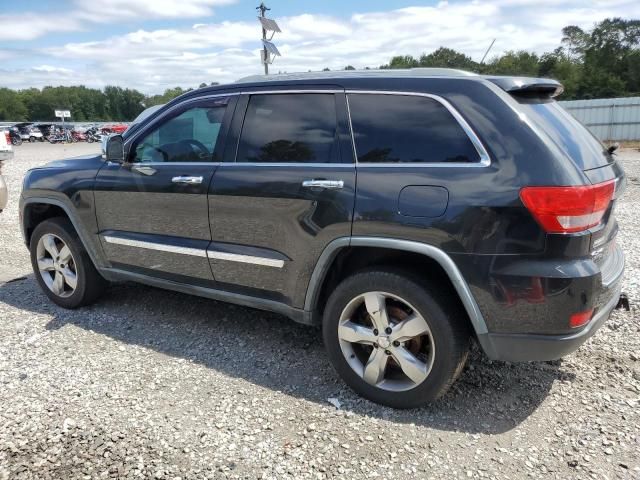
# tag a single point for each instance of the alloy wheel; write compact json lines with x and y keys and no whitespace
{"x":56,"y":265}
{"x":386,"y":341}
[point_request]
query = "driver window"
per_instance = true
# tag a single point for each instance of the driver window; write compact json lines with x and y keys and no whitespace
{"x":188,"y":137}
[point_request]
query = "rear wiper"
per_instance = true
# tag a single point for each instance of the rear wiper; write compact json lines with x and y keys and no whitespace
{"x":612,"y":148}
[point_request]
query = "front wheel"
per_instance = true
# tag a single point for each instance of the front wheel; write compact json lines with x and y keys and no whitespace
{"x":32,"y":139}
{"x":16,"y":141}
{"x":62,"y":266}
{"x":394,"y":339}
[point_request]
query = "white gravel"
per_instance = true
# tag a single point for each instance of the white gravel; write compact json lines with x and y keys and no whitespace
{"x":155,"y":384}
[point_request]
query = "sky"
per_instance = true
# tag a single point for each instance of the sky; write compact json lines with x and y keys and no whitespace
{"x":152,"y":45}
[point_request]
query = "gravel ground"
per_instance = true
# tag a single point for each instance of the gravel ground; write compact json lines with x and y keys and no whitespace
{"x":155,"y":384}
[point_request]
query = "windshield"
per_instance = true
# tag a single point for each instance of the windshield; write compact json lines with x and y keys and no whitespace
{"x":567,"y":133}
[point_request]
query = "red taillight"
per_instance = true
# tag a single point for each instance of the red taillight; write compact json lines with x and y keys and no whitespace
{"x":568,"y":209}
{"x":8,"y":137}
{"x":579,"y":319}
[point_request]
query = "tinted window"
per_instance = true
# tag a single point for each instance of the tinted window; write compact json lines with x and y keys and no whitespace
{"x":566,"y":132}
{"x":289,"y":128}
{"x":188,"y":137}
{"x":396,"y":128}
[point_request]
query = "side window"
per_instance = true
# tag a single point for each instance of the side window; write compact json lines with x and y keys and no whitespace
{"x":290,"y":128}
{"x":188,"y":137}
{"x":403,"y":129}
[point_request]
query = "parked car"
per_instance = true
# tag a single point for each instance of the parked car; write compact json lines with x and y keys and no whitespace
{"x":116,"y":128}
{"x":29,"y":133}
{"x":6,"y":152}
{"x":143,"y":115}
{"x":405,"y":212}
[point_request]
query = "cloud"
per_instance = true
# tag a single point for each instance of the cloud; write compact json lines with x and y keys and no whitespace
{"x":28,"y":26}
{"x":82,"y":13}
{"x":152,"y":60}
{"x":106,"y":11}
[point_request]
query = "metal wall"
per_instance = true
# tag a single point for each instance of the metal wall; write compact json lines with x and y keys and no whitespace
{"x":608,"y":118}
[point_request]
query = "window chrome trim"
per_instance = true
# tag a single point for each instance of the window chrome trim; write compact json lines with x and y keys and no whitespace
{"x":162,"y":247}
{"x":235,"y":257}
{"x":175,"y":164}
{"x":485,"y":159}
{"x":288,"y":164}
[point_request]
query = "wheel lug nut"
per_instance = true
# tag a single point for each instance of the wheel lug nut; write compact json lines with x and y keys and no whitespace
{"x":387,"y":352}
{"x":375,"y":331}
{"x":396,"y":343}
{"x":387,"y":330}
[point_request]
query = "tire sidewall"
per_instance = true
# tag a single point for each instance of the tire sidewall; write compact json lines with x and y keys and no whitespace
{"x":57,"y":228}
{"x":439,"y":324}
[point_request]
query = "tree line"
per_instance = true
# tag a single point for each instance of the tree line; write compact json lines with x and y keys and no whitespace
{"x":598,"y":63}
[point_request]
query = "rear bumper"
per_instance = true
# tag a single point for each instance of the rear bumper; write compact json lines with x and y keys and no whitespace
{"x":530,"y":347}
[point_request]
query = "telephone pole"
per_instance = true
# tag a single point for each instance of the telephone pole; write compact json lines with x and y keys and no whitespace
{"x":268,"y":48}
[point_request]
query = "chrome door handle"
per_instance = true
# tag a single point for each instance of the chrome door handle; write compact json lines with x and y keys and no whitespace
{"x":188,"y":180}
{"x":334,"y":184}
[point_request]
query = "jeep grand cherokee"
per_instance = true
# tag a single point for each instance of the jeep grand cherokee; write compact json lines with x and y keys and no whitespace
{"x":405,"y":212}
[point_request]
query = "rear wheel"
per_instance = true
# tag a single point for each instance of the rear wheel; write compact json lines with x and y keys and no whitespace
{"x":32,"y":139}
{"x":62,"y":266}
{"x":394,"y":339}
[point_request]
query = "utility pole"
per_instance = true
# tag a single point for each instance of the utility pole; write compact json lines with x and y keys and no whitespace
{"x":269,"y":50}
{"x":263,"y":8}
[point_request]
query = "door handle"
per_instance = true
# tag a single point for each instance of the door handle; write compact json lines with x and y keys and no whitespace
{"x":187,"y":180}
{"x":333,"y":184}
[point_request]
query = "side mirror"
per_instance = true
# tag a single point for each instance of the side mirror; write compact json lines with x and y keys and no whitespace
{"x":115,"y":149}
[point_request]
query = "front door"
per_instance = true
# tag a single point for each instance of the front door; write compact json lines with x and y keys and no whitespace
{"x":152,"y":210}
{"x":287,"y":190}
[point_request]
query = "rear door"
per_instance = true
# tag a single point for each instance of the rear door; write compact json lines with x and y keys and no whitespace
{"x":152,"y":210}
{"x":286,"y":191}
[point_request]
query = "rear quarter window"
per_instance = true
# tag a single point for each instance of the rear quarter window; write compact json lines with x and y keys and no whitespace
{"x":566,"y":132}
{"x":407,"y":129}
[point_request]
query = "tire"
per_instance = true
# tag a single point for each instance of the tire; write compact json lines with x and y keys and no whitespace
{"x":441,"y":353}
{"x":89,"y":284}
{"x":32,"y":139}
{"x":89,"y":139}
{"x":16,"y":141}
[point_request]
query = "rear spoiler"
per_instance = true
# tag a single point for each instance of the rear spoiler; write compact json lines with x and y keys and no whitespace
{"x":528,"y":87}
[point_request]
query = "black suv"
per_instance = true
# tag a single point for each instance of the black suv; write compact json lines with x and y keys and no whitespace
{"x":405,"y":212}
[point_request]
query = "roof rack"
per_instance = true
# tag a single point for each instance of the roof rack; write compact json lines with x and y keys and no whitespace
{"x":390,"y":73}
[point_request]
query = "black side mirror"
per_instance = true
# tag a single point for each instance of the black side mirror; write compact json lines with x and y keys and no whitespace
{"x":115,"y":149}
{"x":613,"y":148}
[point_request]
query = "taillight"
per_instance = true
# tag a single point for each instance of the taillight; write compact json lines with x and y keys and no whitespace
{"x":579,"y":319}
{"x":568,"y":209}
{"x":8,"y":137}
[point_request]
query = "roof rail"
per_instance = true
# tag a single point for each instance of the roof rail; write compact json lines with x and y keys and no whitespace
{"x":408,"y":72}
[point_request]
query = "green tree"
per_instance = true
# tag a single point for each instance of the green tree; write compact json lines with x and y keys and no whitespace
{"x":448,"y":58}
{"x":11,"y":106}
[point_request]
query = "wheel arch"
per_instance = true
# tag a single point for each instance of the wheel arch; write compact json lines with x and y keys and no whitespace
{"x":35,"y":210}
{"x":332,"y":251}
